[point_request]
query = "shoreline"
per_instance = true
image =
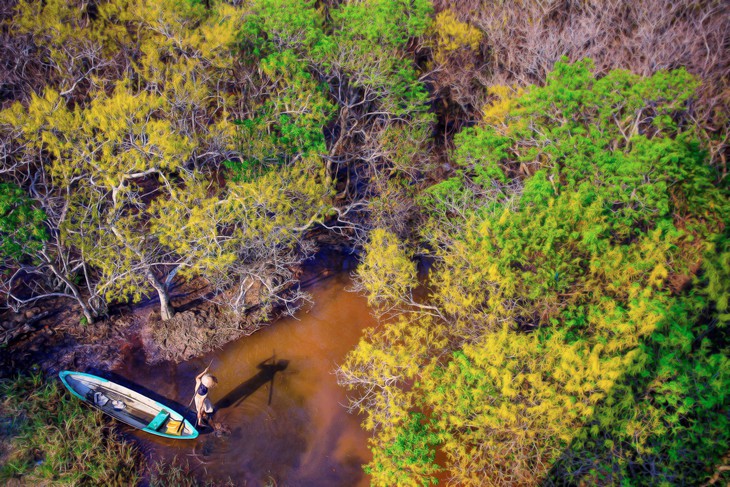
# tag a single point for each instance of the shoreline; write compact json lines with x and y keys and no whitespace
{"x":54,"y":338}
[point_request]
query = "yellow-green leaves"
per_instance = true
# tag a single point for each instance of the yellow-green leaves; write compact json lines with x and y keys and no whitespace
{"x":452,"y":34}
{"x":191,"y":220}
{"x":115,"y":138}
{"x":509,"y":403}
{"x":383,"y":365}
{"x":387,"y":272}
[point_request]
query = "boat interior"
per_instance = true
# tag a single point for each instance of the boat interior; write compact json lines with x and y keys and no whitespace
{"x":125,"y":408}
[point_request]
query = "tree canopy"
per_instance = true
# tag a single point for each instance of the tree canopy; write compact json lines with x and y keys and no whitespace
{"x":581,"y":340}
{"x":537,"y":193}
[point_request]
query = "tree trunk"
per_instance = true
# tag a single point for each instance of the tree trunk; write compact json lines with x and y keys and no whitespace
{"x":166,"y":309}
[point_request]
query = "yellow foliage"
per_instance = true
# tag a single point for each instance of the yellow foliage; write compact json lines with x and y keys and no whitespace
{"x":452,"y":35}
{"x":504,"y":101}
{"x":658,"y":275}
{"x":264,"y":208}
{"x":190,"y":222}
{"x":387,"y":272}
{"x":527,"y":398}
{"x":384,"y":362}
{"x":67,"y":25}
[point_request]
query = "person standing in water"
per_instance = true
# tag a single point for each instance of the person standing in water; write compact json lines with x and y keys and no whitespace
{"x":203,"y":383}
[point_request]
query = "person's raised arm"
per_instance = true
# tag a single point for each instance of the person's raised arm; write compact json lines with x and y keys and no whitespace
{"x":200,"y":375}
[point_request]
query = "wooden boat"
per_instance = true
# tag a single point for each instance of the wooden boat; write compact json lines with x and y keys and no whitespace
{"x":128,"y":406}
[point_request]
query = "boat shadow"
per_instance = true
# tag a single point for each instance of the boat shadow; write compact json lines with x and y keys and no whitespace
{"x":267,"y":371}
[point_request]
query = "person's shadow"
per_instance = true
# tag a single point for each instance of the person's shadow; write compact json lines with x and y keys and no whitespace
{"x":268,"y":369}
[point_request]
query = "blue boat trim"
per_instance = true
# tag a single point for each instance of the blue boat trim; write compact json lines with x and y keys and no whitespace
{"x":66,"y":373}
{"x":173,"y":414}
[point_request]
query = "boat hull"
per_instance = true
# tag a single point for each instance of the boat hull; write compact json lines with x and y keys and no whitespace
{"x":128,"y":406}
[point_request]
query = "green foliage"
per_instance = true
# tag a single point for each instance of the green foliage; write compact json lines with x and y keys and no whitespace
{"x":408,"y":459}
{"x":289,"y":40}
{"x":22,"y":229}
{"x":279,"y":25}
{"x":480,"y":150}
{"x":666,"y":422}
{"x":369,"y":37}
{"x":299,"y":109}
{"x":716,"y":268}
{"x":282,"y":35}
{"x":576,"y":216}
{"x":388,"y":23}
{"x":55,"y":439}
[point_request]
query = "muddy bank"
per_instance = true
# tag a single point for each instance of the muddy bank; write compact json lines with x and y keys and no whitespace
{"x":59,"y":341}
{"x":52,"y":336}
{"x":205,"y":327}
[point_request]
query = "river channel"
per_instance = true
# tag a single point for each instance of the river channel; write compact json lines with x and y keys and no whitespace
{"x":278,"y":397}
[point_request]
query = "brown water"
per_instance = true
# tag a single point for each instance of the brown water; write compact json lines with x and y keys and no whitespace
{"x":278,"y":395}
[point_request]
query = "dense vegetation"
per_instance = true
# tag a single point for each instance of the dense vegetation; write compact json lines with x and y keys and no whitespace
{"x":48,"y":437}
{"x":50,"y":440}
{"x":559,"y":167}
{"x":575,"y":326}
